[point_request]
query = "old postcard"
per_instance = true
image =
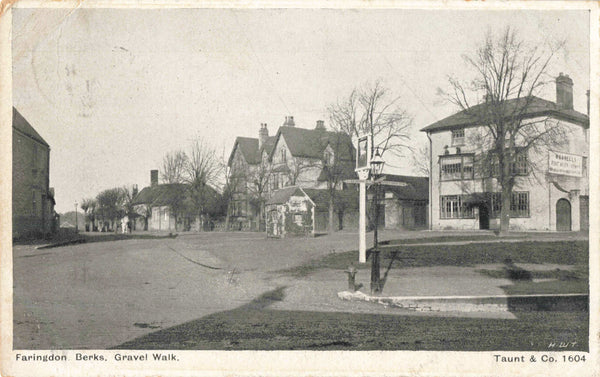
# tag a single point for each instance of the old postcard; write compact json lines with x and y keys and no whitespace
{"x":299,"y":188}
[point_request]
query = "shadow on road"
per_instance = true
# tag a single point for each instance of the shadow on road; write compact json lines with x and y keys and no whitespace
{"x":254,"y":326}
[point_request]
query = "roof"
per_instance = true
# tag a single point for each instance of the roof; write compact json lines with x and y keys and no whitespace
{"x":160,"y":195}
{"x":283,"y":195}
{"x":417,"y":188}
{"x":346,"y":199}
{"x":347,"y":172}
{"x":21,"y":124}
{"x":311,"y":143}
{"x":268,"y":144}
{"x":530,"y":106}
{"x":248,"y":146}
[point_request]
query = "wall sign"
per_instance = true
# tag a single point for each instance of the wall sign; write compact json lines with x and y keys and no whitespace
{"x":565,"y":164}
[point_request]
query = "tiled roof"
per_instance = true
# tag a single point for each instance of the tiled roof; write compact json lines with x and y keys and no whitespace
{"x":417,"y":188}
{"x":283,"y":195}
{"x":160,"y":195}
{"x":21,"y":124}
{"x":346,"y":199}
{"x":346,"y":172}
{"x":530,"y":107}
{"x":311,"y":143}
{"x":268,"y":144}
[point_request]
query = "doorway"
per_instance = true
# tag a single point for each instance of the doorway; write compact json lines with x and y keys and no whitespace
{"x":563,"y":215}
{"x":484,"y":216}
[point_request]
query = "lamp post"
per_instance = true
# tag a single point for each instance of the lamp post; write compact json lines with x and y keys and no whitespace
{"x":76,"y":222}
{"x":376,"y":166}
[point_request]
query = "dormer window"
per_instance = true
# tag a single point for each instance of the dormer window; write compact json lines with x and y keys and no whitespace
{"x":458,"y":137}
{"x":328,"y":158}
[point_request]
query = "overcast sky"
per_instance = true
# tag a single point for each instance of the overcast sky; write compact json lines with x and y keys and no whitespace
{"x":112,"y":91}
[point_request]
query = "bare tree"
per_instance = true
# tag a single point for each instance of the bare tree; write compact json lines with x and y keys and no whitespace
{"x":419,"y":159}
{"x":173,"y":167}
{"x":373,"y":110}
{"x":203,"y":172}
{"x":257,"y":180}
{"x":507,"y":75}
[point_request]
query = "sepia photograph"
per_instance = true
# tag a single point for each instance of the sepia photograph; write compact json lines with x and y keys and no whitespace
{"x":316,"y":179}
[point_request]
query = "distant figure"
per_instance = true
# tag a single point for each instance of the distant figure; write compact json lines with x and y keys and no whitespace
{"x":124,"y":224}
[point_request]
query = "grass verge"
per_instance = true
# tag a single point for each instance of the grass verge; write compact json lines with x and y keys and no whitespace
{"x":558,"y":252}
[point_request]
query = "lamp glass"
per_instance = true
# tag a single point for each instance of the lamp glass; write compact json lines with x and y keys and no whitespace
{"x":377,"y":163}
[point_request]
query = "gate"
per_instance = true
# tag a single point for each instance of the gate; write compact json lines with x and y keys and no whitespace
{"x":563,"y":215}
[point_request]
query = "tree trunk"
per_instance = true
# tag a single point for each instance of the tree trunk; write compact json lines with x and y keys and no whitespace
{"x":505,"y":209}
{"x":330,"y":227}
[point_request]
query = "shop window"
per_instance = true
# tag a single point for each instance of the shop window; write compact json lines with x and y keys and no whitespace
{"x":456,"y":207}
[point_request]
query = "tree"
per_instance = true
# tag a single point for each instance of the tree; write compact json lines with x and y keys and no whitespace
{"x":420,"y":159}
{"x":89,"y":207}
{"x":110,"y":205}
{"x":257,"y":179}
{"x":373,"y":110}
{"x":507,"y":75}
{"x":173,"y":167}
{"x":202,"y":172}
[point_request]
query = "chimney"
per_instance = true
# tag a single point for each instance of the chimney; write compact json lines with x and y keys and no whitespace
{"x":134,"y":191}
{"x":289,"y":121}
{"x":564,"y":92}
{"x":153,"y":177}
{"x":263,"y":134}
{"x":588,"y":102}
{"x":320,"y":125}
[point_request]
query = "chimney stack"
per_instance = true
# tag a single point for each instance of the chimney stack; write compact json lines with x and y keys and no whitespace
{"x":320,"y":125}
{"x":153,"y":178}
{"x":564,"y":92}
{"x":134,"y":191}
{"x":587,"y":93}
{"x":263,"y":134}
{"x":289,"y":121}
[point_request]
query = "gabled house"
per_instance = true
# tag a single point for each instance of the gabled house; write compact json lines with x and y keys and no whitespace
{"x":169,"y":207}
{"x":551,"y":189}
{"x":306,"y":158}
{"x":33,"y":202}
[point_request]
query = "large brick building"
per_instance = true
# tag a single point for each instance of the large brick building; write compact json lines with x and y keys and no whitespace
{"x":32,"y":199}
{"x":551,"y":184}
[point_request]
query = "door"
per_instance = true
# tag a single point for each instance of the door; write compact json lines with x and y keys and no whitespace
{"x":563,"y":215}
{"x":484,"y":216}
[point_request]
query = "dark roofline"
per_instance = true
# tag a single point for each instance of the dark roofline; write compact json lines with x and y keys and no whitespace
{"x":28,"y":131}
{"x":557,"y":113}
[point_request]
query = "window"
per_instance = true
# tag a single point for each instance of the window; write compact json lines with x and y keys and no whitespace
{"x":456,"y":167}
{"x":519,"y":167}
{"x":33,"y":203}
{"x":283,"y":156}
{"x":328,"y":158}
{"x":455,"y":207}
{"x":458,"y":137}
{"x":519,"y":204}
{"x":298,"y":219}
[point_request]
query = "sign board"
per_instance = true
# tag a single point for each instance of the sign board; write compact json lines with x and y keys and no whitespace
{"x":565,"y":164}
{"x":297,"y":204}
{"x":363,"y":152}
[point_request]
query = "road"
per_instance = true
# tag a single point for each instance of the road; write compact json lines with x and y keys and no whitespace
{"x":101,"y":294}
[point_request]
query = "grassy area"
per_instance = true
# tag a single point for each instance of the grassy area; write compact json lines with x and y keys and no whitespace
{"x":255,"y":327}
{"x":550,"y":287}
{"x":558,"y":252}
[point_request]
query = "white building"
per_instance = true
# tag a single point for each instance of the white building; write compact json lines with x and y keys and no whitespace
{"x":551,"y":190}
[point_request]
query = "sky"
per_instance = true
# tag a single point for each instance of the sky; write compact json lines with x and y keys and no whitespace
{"x":113,"y":90}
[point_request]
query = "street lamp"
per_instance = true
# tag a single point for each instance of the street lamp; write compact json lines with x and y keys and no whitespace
{"x":76,"y":222}
{"x":376,"y":166}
